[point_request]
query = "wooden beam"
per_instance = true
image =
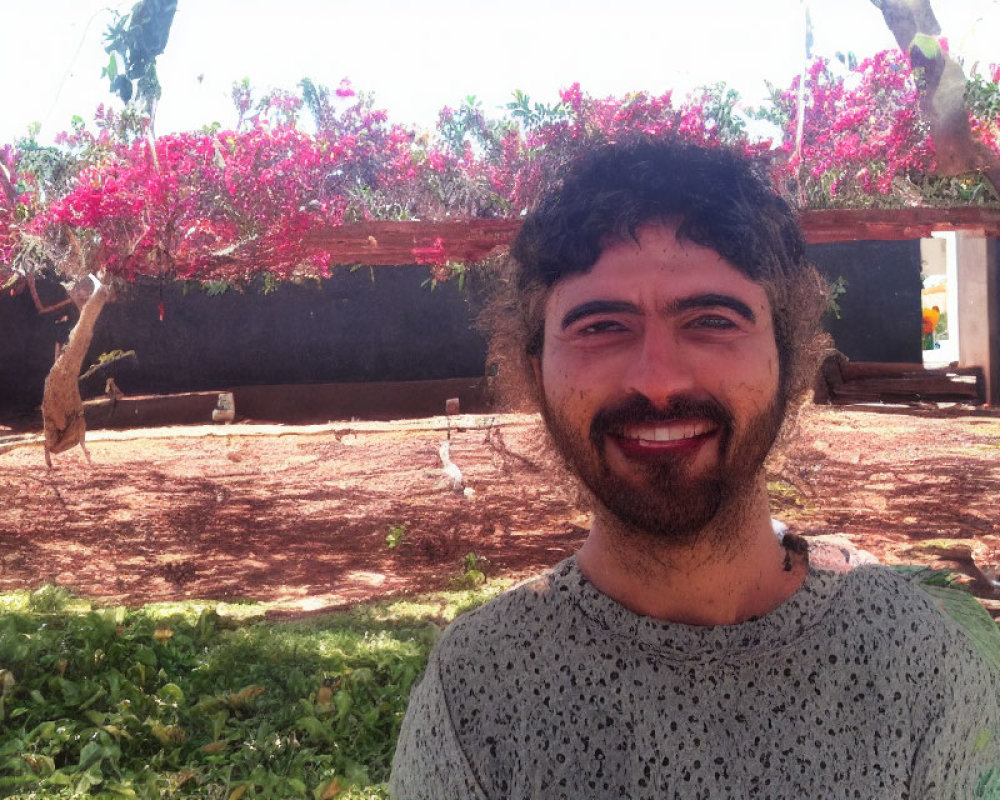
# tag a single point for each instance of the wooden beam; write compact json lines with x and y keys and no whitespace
{"x":854,"y":224}
{"x":381,"y":243}
{"x":386,"y":243}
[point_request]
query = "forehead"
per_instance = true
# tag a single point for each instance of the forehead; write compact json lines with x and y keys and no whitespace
{"x":658,"y":269}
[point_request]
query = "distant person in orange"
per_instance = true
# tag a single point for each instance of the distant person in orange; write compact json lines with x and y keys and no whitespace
{"x":931,"y":317}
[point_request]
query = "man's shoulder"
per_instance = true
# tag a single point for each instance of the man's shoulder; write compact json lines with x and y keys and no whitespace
{"x":883,"y":587}
{"x":913,"y":604}
{"x":878,"y":593}
{"x":521,"y":613}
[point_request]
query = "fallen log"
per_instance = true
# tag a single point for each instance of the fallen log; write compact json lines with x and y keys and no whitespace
{"x":841,"y":381}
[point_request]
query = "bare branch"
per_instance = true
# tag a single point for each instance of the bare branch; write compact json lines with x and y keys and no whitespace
{"x":42,"y":308}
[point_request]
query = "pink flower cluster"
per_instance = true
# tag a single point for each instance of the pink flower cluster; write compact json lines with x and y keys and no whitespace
{"x":862,"y":130}
{"x":226,"y":205}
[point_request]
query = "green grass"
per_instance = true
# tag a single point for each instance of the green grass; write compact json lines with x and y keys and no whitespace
{"x":207,"y":700}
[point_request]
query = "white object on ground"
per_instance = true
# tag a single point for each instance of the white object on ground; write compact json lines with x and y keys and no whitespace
{"x":451,"y":472}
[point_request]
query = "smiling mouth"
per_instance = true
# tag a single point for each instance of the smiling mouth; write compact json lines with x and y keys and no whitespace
{"x":666,"y":433}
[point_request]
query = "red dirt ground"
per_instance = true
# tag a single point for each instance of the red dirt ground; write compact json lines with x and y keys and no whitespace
{"x":300,"y":519}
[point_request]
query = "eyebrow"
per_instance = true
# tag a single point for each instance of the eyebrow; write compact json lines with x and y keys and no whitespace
{"x":597,"y":307}
{"x":714,"y":301}
{"x":593,"y":307}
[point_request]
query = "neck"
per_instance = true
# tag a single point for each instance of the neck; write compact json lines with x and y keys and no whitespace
{"x":733,"y":572}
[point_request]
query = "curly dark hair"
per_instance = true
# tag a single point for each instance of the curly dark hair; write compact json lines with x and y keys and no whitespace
{"x":715,"y":196}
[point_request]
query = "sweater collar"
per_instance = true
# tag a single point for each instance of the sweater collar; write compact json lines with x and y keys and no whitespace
{"x":782,"y":626}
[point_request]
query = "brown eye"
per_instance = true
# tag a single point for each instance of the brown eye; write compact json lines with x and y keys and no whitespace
{"x":602,"y":326}
{"x":714,"y":323}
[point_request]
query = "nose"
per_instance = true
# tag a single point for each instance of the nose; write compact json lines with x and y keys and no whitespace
{"x":663,"y":368}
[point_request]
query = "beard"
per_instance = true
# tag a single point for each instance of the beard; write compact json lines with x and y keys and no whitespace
{"x":664,"y":499}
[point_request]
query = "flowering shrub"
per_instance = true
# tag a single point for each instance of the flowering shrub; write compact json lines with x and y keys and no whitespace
{"x":228,"y":205}
{"x":862,"y":138}
{"x":864,"y":142}
{"x":982,"y":96}
{"x":223,"y":205}
{"x":19,"y":202}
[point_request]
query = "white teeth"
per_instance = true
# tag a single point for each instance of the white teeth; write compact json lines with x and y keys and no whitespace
{"x":669,"y":432}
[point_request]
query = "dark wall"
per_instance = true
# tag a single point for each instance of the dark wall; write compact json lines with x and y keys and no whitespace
{"x":356,"y":328}
{"x":350,"y":327}
{"x":27,"y":343}
{"x":880,"y":313}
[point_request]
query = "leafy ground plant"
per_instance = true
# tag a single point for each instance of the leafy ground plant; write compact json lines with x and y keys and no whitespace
{"x":190,"y":700}
{"x":473,"y":575}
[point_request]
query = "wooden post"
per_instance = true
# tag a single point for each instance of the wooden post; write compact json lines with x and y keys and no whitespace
{"x":993,"y":315}
{"x":979,"y":307}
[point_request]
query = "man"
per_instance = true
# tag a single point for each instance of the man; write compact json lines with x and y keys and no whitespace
{"x":669,"y":320}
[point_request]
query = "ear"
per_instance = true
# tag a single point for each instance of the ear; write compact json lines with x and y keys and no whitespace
{"x":536,"y":369}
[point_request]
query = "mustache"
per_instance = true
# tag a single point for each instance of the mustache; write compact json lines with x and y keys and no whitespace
{"x":637,"y":409}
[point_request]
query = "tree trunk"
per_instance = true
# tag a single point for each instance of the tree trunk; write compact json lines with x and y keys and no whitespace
{"x":942,"y":95}
{"x":62,"y":407}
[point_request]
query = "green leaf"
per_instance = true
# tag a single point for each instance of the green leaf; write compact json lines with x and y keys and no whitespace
{"x":315,"y":728}
{"x":42,"y":732}
{"x":59,"y":778}
{"x":208,"y":623}
{"x":171,"y":694}
{"x":343,"y":701}
{"x":120,"y":789}
{"x":927,"y":45}
{"x":209,"y":704}
{"x":99,"y":694}
{"x":90,"y":753}
{"x":362,"y":676}
{"x":145,"y":655}
{"x":96,"y":717}
{"x":89,"y":779}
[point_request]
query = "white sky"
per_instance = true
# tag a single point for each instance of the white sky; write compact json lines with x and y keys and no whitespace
{"x":420,"y":56}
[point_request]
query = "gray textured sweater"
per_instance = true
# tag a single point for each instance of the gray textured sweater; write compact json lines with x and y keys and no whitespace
{"x":856,"y":687}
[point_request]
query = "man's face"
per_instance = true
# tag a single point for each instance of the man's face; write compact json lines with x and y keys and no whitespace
{"x":659,"y":372}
